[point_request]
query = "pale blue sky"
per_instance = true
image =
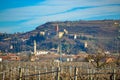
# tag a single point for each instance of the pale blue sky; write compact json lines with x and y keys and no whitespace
{"x":26,"y":15}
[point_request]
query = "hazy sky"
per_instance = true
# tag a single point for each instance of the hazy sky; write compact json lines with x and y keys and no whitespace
{"x":26,"y":15}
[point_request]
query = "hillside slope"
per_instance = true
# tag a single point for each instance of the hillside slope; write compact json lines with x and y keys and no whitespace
{"x":98,"y":32}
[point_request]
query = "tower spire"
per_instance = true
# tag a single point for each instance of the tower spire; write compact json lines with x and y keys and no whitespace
{"x":57,"y":28}
{"x":34,"y":47}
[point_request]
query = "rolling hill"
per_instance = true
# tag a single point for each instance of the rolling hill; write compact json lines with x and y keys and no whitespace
{"x":98,"y":33}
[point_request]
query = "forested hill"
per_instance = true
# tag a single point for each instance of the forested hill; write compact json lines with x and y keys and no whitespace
{"x":95,"y":32}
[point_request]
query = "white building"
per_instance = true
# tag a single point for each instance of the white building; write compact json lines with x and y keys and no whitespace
{"x":0,"y":59}
{"x":69,"y":59}
{"x":75,"y":36}
{"x":85,"y":44}
{"x":42,"y":33}
{"x":65,"y":31}
{"x":42,"y":52}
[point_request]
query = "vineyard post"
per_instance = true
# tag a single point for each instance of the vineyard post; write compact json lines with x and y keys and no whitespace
{"x":46,"y":70}
{"x":3,"y":76}
{"x":62,"y":69}
{"x":25,"y":71}
{"x":28,"y":70}
{"x":88,"y":72}
{"x":14,"y":73}
{"x":20,"y":73}
{"x":35,"y":71}
{"x":70,"y":67}
{"x":91,"y":74}
{"x":39,"y":75}
{"x":94,"y":72}
{"x":1,"y":66}
{"x":114,"y":76}
{"x":11,"y":73}
{"x":75,"y":73}
{"x":57,"y":73}
{"x":52,"y":71}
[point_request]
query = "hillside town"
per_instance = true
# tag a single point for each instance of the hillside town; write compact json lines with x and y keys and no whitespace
{"x":61,"y":51}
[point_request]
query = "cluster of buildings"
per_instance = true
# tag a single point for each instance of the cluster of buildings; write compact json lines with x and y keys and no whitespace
{"x":48,"y":56}
{"x":9,"y":57}
{"x":40,"y":54}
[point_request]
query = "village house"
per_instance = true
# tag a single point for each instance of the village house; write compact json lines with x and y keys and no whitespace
{"x":10,"y":57}
{"x":42,"y":52}
{"x":110,"y":60}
